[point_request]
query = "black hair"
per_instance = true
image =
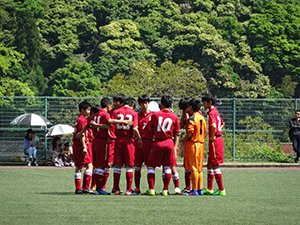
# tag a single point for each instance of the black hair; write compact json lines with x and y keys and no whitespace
{"x":67,"y":144}
{"x":95,"y":108}
{"x":84,"y":105}
{"x":167,"y":101}
{"x":209,"y":97}
{"x":105,"y":102}
{"x":130,"y":102}
{"x":143,"y":98}
{"x":55,"y":139}
{"x":27,"y":134}
{"x":184,"y":103}
{"x":119,"y":98}
{"x":195,"y":103}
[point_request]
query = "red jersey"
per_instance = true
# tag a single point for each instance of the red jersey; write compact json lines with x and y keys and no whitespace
{"x":125,"y":113}
{"x":112,"y":130}
{"x":79,"y":125}
{"x":215,"y":119}
{"x":165,"y":124}
{"x":89,"y":132}
{"x":144,"y":125}
{"x":101,"y":117}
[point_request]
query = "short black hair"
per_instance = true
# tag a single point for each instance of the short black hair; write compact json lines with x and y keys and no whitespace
{"x":95,"y":108}
{"x":67,"y":144}
{"x":195,"y":103}
{"x":119,"y":98}
{"x":84,"y":105}
{"x":166,"y":100}
{"x":209,"y":97}
{"x":131,"y":102}
{"x":105,"y":102}
{"x":184,"y":103}
{"x":143,"y":98}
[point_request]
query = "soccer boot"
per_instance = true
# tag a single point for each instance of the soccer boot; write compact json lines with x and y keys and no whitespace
{"x":150,"y":192}
{"x":192,"y":192}
{"x":103,"y":192}
{"x":200,"y":192}
{"x":136,"y":191}
{"x":164,"y":193}
{"x":87,"y":191}
{"x":118,"y":192}
{"x":185,"y":190}
{"x":78,"y":191}
{"x":128,"y":192}
{"x":177,"y":191}
{"x":208,"y":192}
{"x":218,"y":192}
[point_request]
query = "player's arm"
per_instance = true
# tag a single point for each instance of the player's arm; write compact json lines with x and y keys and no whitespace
{"x":115,"y":121}
{"x":176,"y":141}
{"x":97,"y":125}
{"x":183,"y":119}
{"x":83,"y":145}
{"x":138,"y":136}
{"x":79,"y":134}
{"x":213,"y":131}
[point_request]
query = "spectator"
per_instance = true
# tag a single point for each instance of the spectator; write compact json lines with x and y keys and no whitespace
{"x":55,"y":150}
{"x":295,"y":134}
{"x":68,"y":154}
{"x":30,"y":147}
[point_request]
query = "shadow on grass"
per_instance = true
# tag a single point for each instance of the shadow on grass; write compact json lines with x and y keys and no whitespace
{"x":56,"y":193}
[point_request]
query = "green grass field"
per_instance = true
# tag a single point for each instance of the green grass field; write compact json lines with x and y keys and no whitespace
{"x":46,"y":196}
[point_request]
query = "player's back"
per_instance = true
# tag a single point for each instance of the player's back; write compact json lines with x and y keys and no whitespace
{"x":125,"y":113}
{"x":101,"y":117}
{"x":214,"y":118}
{"x":197,"y":126}
{"x":165,"y":124}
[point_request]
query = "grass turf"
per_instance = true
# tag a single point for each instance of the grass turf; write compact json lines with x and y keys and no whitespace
{"x":46,"y":196}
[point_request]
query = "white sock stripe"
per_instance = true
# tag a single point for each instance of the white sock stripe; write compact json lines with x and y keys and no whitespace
{"x":151,"y":170}
{"x":210,"y":171}
{"x":168,"y":170}
{"x":130,"y":170}
{"x":107,"y":170}
{"x":117,"y":170}
{"x":88,"y":172}
{"x":138,"y":168}
{"x":175,"y":176}
{"x":217,"y":171}
{"x":77,"y":176}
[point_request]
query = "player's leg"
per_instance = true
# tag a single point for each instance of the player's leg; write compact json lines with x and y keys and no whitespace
{"x":78,"y":161}
{"x":151,"y":180}
{"x":118,"y":161}
{"x":175,"y":178}
{"x":192,"y":165}
{"x":77,"y":178}
{"x":87,"y":178}
{"x":210,"y":172}
{"x":98,"y":176}
{"x":200,"y":168}
{"x":129,"y":152}
{"x":138,"y":161}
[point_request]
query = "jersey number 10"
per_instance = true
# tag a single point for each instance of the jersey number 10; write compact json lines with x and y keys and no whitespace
{"x":164,"y":124}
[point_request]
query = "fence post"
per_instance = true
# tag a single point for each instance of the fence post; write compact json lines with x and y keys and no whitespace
{"x":45,"y":128}
{"x":233,"y":130}
{"x":296,"y":107}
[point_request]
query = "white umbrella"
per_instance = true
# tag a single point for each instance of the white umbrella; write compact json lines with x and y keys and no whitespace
{"x":60,"y":129}
{"x":31,"y":119}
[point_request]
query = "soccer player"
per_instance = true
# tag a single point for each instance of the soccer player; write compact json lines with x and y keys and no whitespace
{"x":142,"y":153}
{"x":125,"y":144}
{"x":80,"y":152}
{"x":166,"y":132}
{"x":194,"y":149}
{"x":215,"y":154}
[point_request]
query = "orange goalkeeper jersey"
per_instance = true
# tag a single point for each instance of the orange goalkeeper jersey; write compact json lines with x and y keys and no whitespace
{"x":196,"y":126}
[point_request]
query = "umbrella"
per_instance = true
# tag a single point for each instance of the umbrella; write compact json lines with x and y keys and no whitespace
{"x":31,"y":119}
{"x":60,"y":129}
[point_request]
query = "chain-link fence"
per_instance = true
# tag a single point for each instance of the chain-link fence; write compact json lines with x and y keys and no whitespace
{"x":247,"y":121}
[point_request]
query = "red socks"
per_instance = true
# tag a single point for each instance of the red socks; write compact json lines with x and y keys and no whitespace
{"x":151,"y":177}
{"x":77,"y":178}
{"x":210,"y":178}
{"x":187,"y":177}
{"x":168,"y":176}
{"x":137,"y":177}
{"x":218,"y":176}
{"x":129,"y":178}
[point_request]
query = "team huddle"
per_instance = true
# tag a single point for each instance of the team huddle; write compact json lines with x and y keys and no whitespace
{"x":115,"y":135}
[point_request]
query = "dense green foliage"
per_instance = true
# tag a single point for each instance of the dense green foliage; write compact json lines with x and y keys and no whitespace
{"x":241,"y":48}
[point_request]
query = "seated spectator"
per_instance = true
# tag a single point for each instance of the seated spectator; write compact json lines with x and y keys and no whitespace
{"x":30,"y":147}
{"x":68,"y":154}
{"x":55,"y":150}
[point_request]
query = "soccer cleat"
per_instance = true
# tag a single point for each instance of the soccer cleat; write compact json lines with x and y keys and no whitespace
{"x":94,"y":188}
{"x":102,"y":192}
{"x":177,"y":191}
{"x":87,"y":191}
{"x":208,"y":192}
{"x":78,"y":191}
{"x":218,"y":192}
{"x":136,"y":191}
{"x":128,"y":192}
{"x":118,"y":192}
{"x":164,"y":193}
{"x":200,"y":192}
{"x":96,"y":192}
{"x":150,"y":192}
{"x":185,"y":190}
{"x":192,"y":192}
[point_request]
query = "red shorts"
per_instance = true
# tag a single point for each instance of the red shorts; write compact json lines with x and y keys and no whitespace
{"x":215,"y":153}
{"x":101,"y":152}
{"x":142,"y":154}
{"x":162,"y":154}
{"x":124,"y":151}
{"x":79,"y":159}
